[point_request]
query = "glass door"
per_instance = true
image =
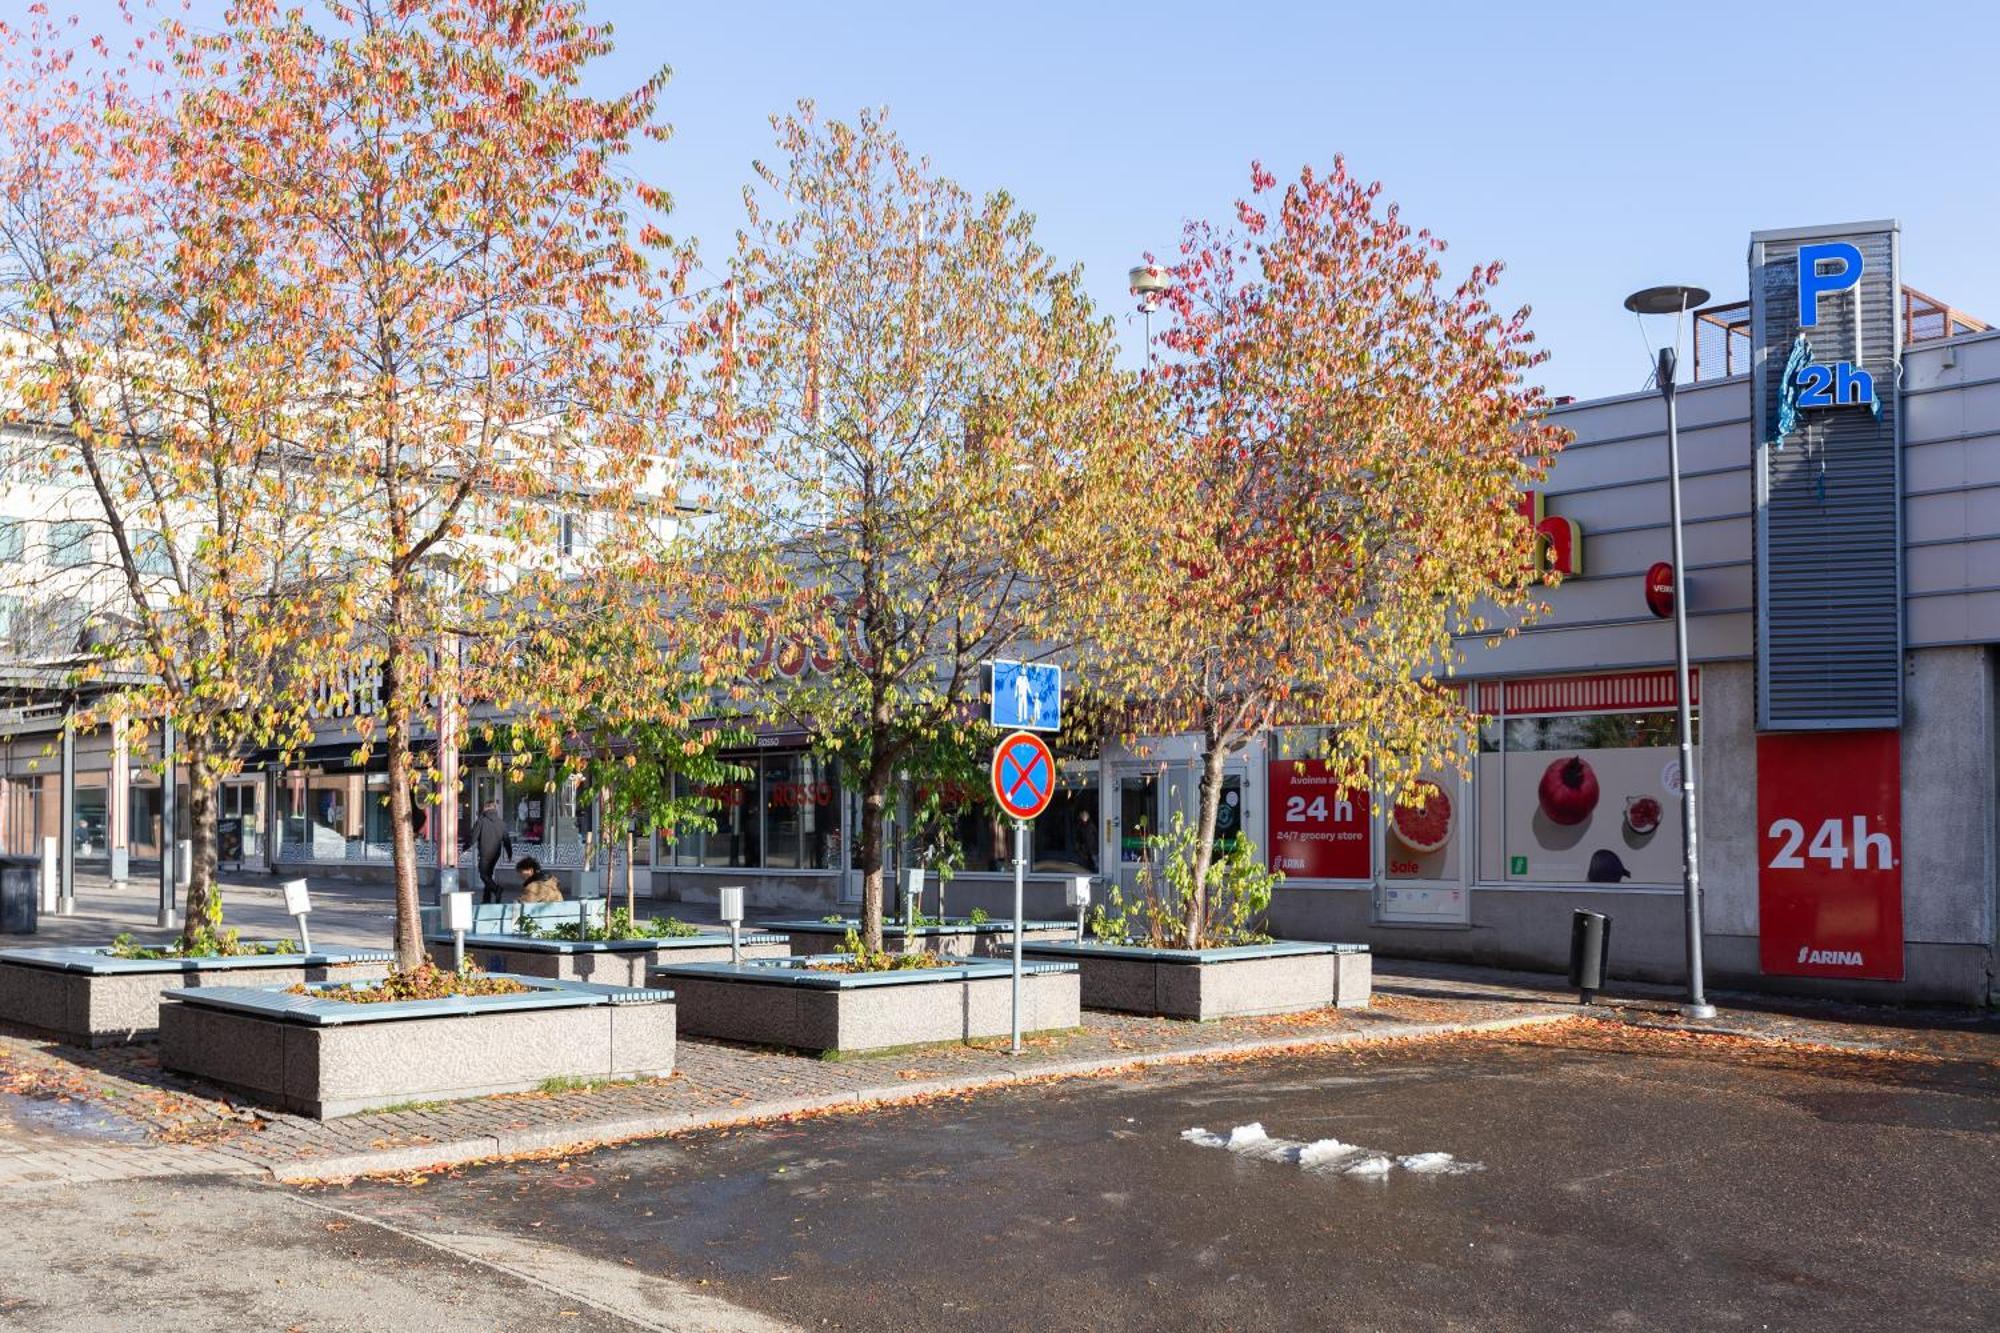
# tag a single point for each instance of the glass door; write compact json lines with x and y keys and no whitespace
{"x":1423,"y":857}
{"x":1138,"y":809}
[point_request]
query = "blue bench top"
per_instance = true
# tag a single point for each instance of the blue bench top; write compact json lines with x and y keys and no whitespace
{"x":280,"y":1005}
{"x":799,"y":972}
{"x":100,"y":962}
{"x":894,"y":926}
{"x":1234,"y":953}
{"x":708,"y":939}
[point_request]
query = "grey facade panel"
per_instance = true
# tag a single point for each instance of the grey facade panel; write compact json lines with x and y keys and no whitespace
{"x":1829,"y":540}
{"x":1951,"y":499}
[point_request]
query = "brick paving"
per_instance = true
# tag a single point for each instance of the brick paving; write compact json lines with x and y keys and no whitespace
{"x":70,"y":1115}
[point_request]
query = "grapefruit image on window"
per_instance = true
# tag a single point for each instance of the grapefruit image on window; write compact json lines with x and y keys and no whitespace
{"x":1568,"y":791}
{"x":1427,"y":829}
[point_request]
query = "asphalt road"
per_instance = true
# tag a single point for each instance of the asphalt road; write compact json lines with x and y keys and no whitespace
{"x":1626,"y":1181}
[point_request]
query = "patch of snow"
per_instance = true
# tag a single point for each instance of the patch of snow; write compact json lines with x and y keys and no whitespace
{"x":1369,"y":1166}
{"x":1436,"y":1164}
{"x":1323,"y":1153}
{"x":1244,"y":1135}
{"x":1202,"y":1138}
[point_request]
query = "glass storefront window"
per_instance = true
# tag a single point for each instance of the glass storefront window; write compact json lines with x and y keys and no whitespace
{"x":1066,"y":836}
{"x":1581,"y":798}
{"x":736,"y":810}
{"x":784,"y":816}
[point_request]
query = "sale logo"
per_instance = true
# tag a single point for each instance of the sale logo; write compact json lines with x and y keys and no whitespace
{"x":1830,"y":877}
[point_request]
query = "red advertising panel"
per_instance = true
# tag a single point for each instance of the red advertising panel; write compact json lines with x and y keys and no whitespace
{"x":1830,"y":854}
{"x":1316,"y":829}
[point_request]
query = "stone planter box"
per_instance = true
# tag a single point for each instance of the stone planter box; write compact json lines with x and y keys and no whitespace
{"x":955,"y":939}
{"x":89,"y":998}
{"x":784,"y":1003}
{"x":609,"y":962}
{"x":1278,"y":978}
{"x":326,"y":1058}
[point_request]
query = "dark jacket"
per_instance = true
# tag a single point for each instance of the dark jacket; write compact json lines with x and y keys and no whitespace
{"x":490,"y":836}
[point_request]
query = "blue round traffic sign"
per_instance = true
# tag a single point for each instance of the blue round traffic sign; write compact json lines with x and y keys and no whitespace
{"x":1024,"y":775}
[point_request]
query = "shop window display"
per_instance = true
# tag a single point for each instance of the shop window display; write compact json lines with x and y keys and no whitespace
{"x":1581,"y":798}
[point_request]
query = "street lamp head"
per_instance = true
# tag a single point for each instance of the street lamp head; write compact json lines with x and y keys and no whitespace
{"x":1149,"y":283}
{"x":1673,"y":299}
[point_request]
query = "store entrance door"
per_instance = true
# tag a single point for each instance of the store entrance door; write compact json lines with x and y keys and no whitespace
{"x":1138,"y":801}
{"x":1424,"y":859}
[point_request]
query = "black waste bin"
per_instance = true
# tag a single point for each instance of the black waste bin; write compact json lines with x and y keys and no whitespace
{"x":20,"y":894}
{"x":1589,"y":939}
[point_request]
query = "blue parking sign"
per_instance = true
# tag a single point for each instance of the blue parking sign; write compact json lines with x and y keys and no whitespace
{"x":1027,"y":696}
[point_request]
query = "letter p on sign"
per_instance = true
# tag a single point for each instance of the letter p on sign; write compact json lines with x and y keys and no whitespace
{"x":1813,"y":283}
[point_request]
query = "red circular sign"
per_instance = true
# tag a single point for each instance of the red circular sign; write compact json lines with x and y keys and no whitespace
{"x":1024,"y":775}
{"x":1660,"y":589}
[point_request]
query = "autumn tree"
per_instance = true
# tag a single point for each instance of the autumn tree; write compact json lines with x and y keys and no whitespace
{"x":448,"y":223}
{"x":1333,"y":499}
{"x":148,"y":390}
{"x":621,"y":705}
{"x":915,"y":391}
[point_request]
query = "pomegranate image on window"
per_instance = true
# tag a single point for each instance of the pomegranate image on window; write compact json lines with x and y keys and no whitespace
{"x":1426,"y":830}
{"x":1569,"y":791}
{"x":1642,"y":814}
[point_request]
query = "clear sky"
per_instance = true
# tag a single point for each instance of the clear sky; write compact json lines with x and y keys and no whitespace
{"x":1593,"y":147}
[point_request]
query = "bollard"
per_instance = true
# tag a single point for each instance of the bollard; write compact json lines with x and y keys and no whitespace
{"x":729,"y":906}
{"x":1589,"y":939}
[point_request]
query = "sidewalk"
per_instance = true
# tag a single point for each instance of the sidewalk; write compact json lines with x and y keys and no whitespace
{"x":70,"y":1115}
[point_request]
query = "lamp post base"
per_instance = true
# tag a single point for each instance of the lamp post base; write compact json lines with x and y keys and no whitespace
{"x":1698,"y":1011}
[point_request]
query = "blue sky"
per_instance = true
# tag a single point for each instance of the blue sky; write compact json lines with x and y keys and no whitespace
{"x":1594,"y":148}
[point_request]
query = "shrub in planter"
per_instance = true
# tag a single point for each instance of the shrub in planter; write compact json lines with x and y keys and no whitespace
{"x":1239,"y":894}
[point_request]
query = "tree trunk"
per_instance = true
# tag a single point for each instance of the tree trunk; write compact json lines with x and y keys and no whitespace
{"x":631,"y":898}
{"x":402,"y":708}
{"x":204,"y":798}
{"x":1204,"y":849}
{"x":874,"y":805}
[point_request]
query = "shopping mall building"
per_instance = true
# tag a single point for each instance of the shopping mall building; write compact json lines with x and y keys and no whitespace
{"x":1840,"y":446}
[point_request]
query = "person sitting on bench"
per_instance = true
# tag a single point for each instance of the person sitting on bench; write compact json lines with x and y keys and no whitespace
{"x":537,"y":884}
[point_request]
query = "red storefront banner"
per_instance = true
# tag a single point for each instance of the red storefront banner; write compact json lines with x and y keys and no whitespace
{"x":1315,"y":828}
{"x":1830,"y":864}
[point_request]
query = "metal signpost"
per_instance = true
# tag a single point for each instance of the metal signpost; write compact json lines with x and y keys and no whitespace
{"x":1024,"y":782}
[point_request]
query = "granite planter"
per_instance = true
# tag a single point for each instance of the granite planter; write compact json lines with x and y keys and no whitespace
{"x":785,"y":1003}
{"x":325,"y":1058}
{"x":89,"y":998}
{"x":954,"y":939}
{"x":611,"y":962}
{"x":1282,"y":977}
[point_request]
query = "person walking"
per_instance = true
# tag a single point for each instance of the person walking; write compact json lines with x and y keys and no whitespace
{"x":489,"y":835}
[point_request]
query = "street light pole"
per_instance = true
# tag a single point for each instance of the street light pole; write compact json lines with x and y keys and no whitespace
{"x":1677,"y":301}
{"x":1149,"y":284}
{"x":1697,"y":1002}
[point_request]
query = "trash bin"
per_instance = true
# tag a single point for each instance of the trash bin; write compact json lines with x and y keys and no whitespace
{"x":1589,"y":937}
{"x":20,"y":894}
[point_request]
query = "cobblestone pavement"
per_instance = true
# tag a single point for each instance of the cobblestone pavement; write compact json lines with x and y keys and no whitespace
{"x":117,"y":1106}
{"x":71,"y":1115}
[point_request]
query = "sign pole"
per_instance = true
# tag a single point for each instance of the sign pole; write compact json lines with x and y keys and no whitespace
{"x":1024,"y":781}
{"x":1020,"y":876}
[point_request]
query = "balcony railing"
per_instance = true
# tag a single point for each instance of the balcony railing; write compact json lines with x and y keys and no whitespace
{"x":1722,"y":332}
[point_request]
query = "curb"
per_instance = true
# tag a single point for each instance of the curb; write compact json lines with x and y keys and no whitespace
{"x":604,"y":1133}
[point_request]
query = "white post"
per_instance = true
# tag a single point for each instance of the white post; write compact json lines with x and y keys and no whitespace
{"x":1020,"y":876}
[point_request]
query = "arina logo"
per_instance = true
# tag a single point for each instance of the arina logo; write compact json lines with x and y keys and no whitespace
{"x":1834,"y":957}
